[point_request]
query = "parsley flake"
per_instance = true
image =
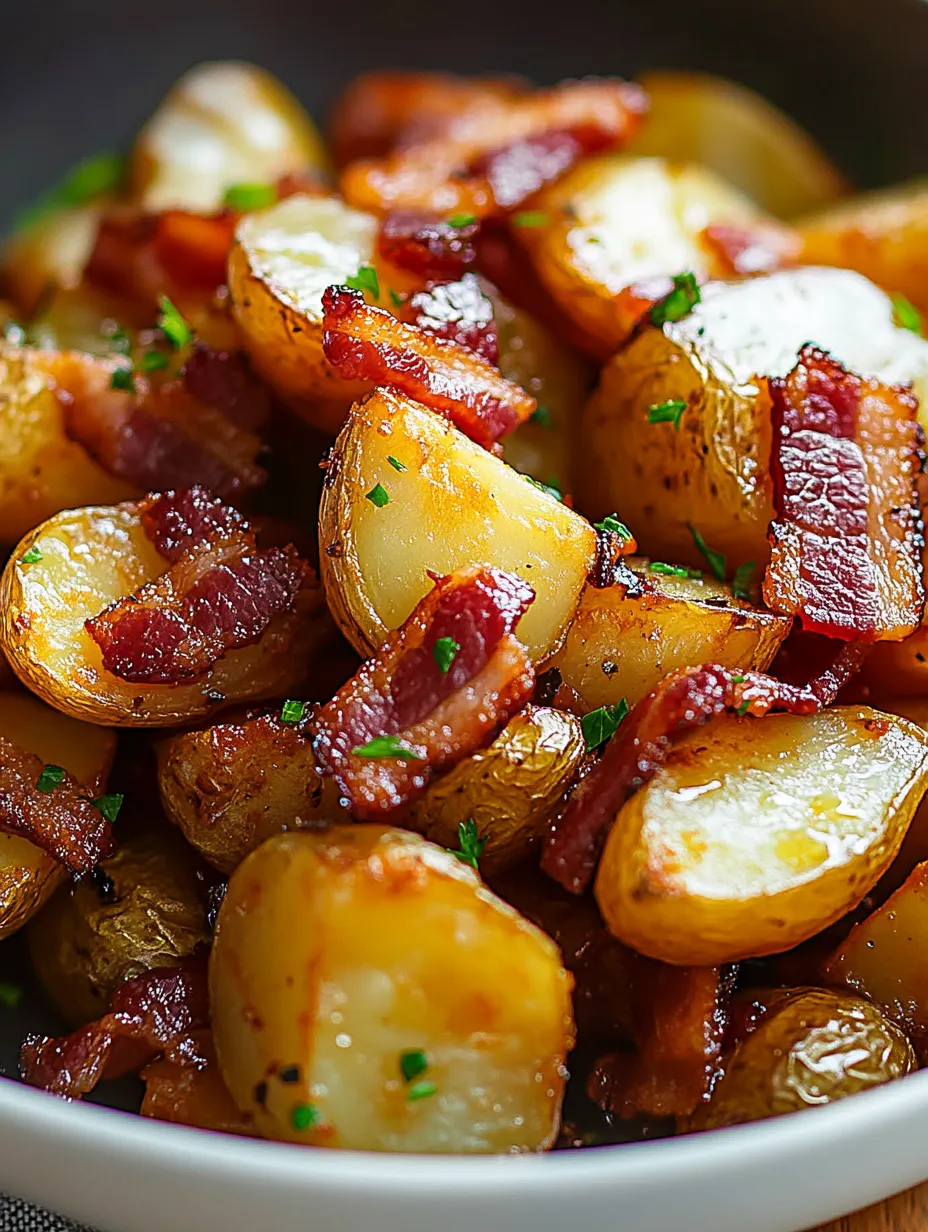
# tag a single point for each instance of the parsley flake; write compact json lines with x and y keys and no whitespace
{"x":49,"y":779}
{"x":470,"y":842}
{"x":32,"y":556}
{"x":530,"y":218}
{"x":737,"y":680}
{"x":292,"y":711}
{"x":247,"y":197}
{"x":906,"y":315}
{"x":601,"y":725}
{"x":422,"y":1090}
{"x":10,"y":994}
{"x":667,"y":412}
{"x":304,"y":1116}
{"x":412,"y":1064}
{"x":378,"y":495}
{"x":741,"y":582}
{"x":123,"y":379}
{"x":715,"y":560}
{"x":660,"y":566}
{"x":611,"y":522}
{"x":365,"y":280}
{"x":116,"y":336}
{"x":742,"y":709}
{"x":154,"y":361}
{"x":395,"y":463}
{"x":386,"y":746}
{"x":173,"y":325}
{"x":678,"y":302}
{"x":462,"y":220}
{"x":444,"y":652}
{"x":550,"y":488}
{"x":109,"y":805}
{"x":541,"y":416}
{"x":398,"y":299}
{"x":90,"y":179}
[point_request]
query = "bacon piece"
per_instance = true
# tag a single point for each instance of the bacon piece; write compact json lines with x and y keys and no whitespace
{"x":459,"y":312}
{"x":847,"y":539}
{"x":177,"y":522}
{"x":224,"y":381}
{"x":685,"y":699}
{"x":427,"y":246}
{"x":150,"y":1012}
{"x":751,"y":248}
{"x":456,"y":171}
{"x":439,"y":717}
{"x":192,"y":1094}
{"x":62,"y":822}
{"x":366,"y":343}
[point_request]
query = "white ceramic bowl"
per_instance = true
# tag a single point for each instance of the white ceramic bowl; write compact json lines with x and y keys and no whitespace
{"x":122,"y":1173}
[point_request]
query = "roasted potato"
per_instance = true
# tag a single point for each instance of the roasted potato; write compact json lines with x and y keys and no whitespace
{"x":49,"y":253}
{"x":90,"y":558}
{"x":621,"y":643}
{"x":356,"y":1004}
{"x":231,"y":786}
{"x":143,"y":909}
{"x":741,"y":137}
{"x":194,"y":1095}
{"x":883,"y":235}
{"x":712,"y":471}
{"x":758,"y":833}
{"x":28,"y":876}
{"x":811,"y":1048}
{"x":453,"y":504}
{"x":510,"y":790}
{"x":223,"y":124}
{"x":613,"y":221}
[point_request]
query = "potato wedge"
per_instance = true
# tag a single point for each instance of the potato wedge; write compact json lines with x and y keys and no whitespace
{"x":812,"y":1047}
{"x":453,"y":504}
{"x":28,"y":876}
{"x":621,"y":643}
{"x":42,"y":471}
{"x":89,"y":559}
{"x":143,"y":910}
{"x":47,"y":254}
{"x":764,"y":153}
{"x":759,"y":833}
{"x":712,"y":471}
{"x":510,"y":790}
{"x":231,"y":786}
{"x":883,"y":235}
{"x":223,"y":123}
{"x":369,"y":992}
{"x":613,"y":221}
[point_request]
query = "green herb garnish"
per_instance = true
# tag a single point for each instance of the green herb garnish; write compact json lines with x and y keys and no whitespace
{"x":470,"y":842}
{"x":611,"y":522}
{"x":292,"y":711}
{"x":600,"y":725}
{"x":398,"y":299}
{"x":422,"y":1090}
{"x":715,"y":560}
{"x":32,"y":556}
{"x":660,"y":566}
{"x":304,"y":1116}
{"x":444,"y":652}
{"x":386,"y":746}
{"x":542,"y":416}
{"x":906,"y":315}
{"x":551,"y":489}
{"x":49,"y":779}
{"x":530,"y":218}
{"x":154,"y":361}
{"x":737,"y":680}
{"x":741,"y":582}
{"x":173,"y":325}
{"x":109,"y":805}
{"x":412,"y":1064}
{"x":462,"y":220}
{"x":395,"y":463}
{"x":678,"y":302}
{"x":10,"y":994}
{"x":90,"y":179}
{"x":378,"y":495}
{"x":247,"y":197}
{"x":123,"y":379}
{"x":742,"y":709}
{"x":667,"y":412}
{"x":365,"y":280}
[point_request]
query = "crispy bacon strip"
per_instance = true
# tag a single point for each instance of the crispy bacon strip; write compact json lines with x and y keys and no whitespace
{"x":192,"y":1094}
{"x":63,"y":822}
{"x":366,"y":343}
{"x":847,"y":538}
{"x":459,"y":312}
{"x":685,"y":699}
{"x":151,"y":1012}
{"x":437,"y":716}
{"x":427,"y":246}
{"x":219,"y":594}
{"x":509,"y":148}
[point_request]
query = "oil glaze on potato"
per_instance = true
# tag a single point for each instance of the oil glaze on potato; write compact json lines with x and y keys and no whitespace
{"x":89,"y":558}
{"x":759,"y":833}
{"x":338,"y":952}
{"x":28,"y":875}
{"x":619,"y":645}
{"x":712,"y":472}
{"x":454,"y":504}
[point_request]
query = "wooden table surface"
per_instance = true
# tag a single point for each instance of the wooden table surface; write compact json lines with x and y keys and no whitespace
{"x":906,"y":1213}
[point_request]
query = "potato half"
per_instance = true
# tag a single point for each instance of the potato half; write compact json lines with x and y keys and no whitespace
{"x":49,"y":253}
{"x":622,"y":644}
{"x":91,"y":557}
{"x":369,"y":992}
{"x":27,"y":874}
{"x":453,"y":504}
{"x":713,"y":471}
{"x":759,"y":833}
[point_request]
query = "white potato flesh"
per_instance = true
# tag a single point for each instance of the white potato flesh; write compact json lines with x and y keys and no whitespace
{"x":759,"y":833}
{"x":338,"y":952}
{"x":453,"y":505}
{"x":50,"y":252}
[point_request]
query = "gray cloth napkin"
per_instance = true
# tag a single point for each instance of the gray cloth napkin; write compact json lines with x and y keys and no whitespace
{"x":19,"y":1216}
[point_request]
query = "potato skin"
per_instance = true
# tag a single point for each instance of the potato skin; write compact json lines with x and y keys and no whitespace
{"x":86,"y":942}
{"x":759,"y":833}
{"x":510,"y":789}
{"x":620,"y":644}
{"x":337,"y":952}
{"x":812,"y":1047}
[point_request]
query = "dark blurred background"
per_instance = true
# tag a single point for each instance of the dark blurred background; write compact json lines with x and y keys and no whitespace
{"x":79,"y":76}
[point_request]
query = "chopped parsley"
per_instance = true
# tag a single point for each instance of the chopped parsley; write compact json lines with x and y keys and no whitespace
{"x":715,"y":560}
{"x":395,"y":463}
{"x":32,"y":556}
{"x":678,"y":302}
{"x":116,"y":336}
{"x":541,"y":416}
{"x":378,"y":495}
{"x":667,"y":412}
{"x":550,"y":488}
{"x":398,"y":299}
{"x":444,"y":652}
{"x":422,"y":1090}
{"x":741,"y":582}
{"x":246,"y":197}
{"x":304,"y":1116}
{"x":743,"y":709}
{"x":470,"y":843}
{"x":530,"y":218}
{"x":173,"y":325}
{"x":462,"y":220}
{"x":109,"y":805}
{"x":365,"y":280}
{"x":49,"y":779}
{"x":386,"y":746}
{"x":154,"y":361}
{"x":10,"y":994}
{"x":660,"y":566}
{"x":90,"y":179}
{"x":123,"y":379}
{"x":737,"y":680}
{"x":412,"y":1064}
{"x":906,"y":315}
{"x":601,"y":725}
{"x":292,"y":711}
{"x":611,"y":522}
